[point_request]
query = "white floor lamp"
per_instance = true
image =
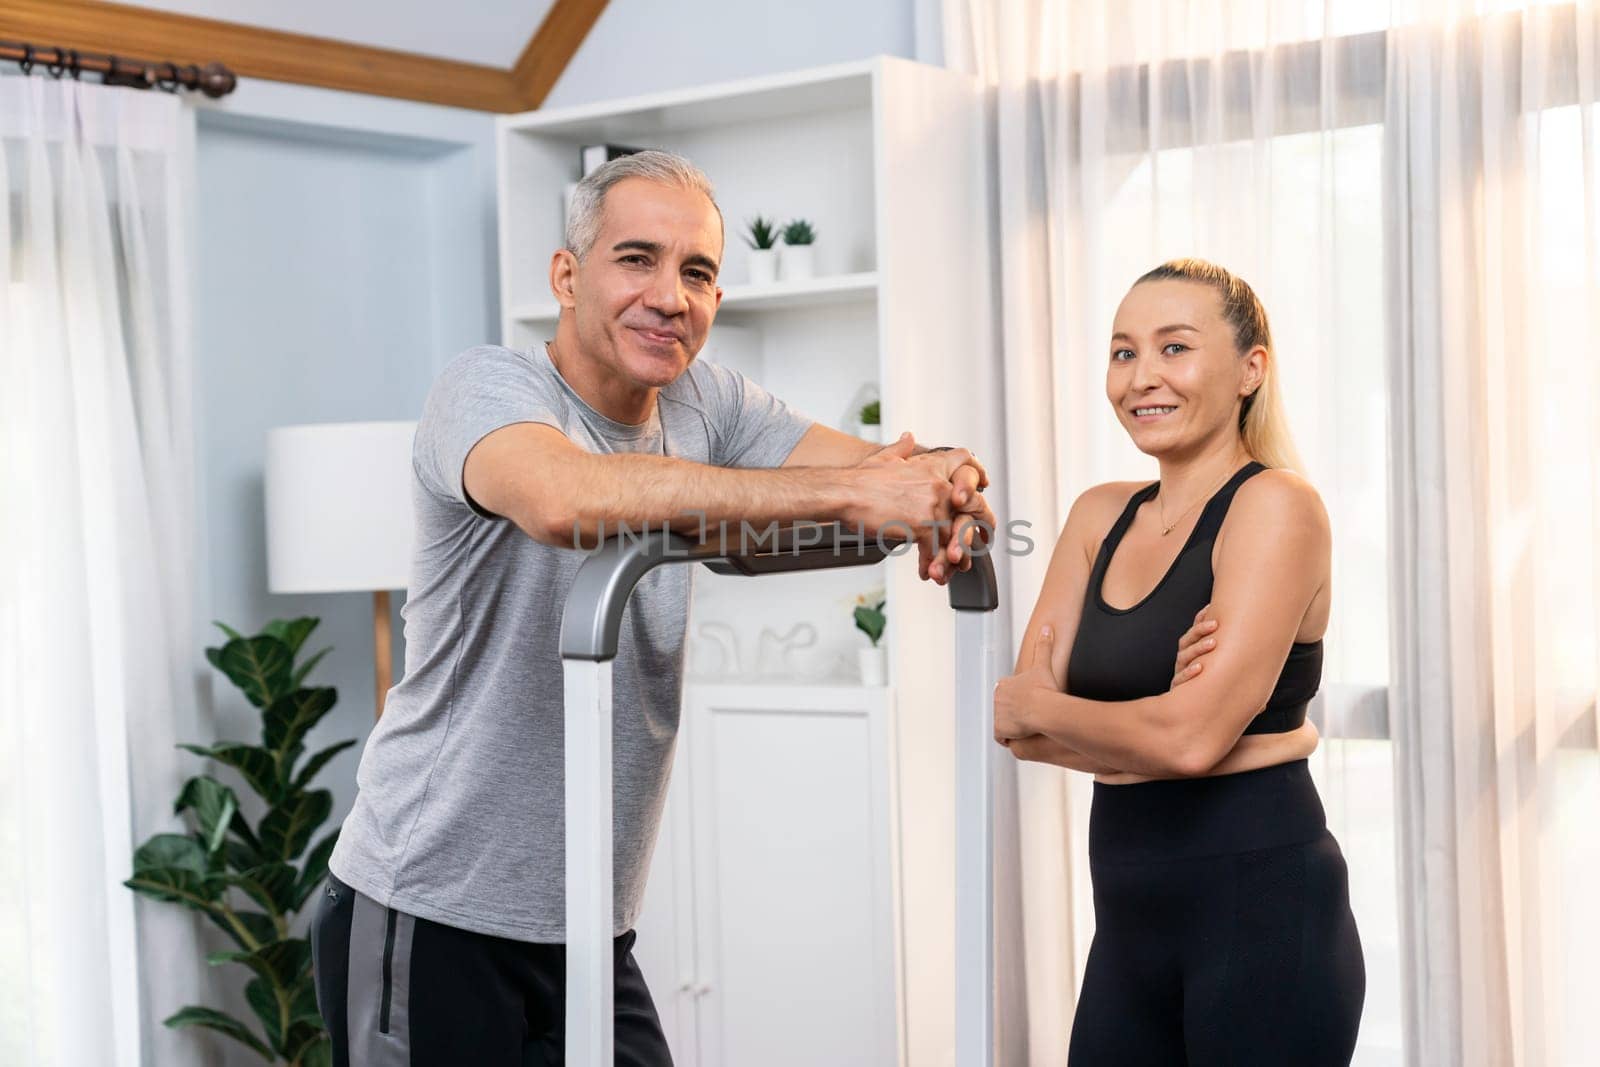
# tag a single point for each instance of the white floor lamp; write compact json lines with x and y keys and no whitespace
{"x":339,"y":517}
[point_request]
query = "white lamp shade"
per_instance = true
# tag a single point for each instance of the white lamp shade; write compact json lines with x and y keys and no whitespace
{"x":339,"y":507}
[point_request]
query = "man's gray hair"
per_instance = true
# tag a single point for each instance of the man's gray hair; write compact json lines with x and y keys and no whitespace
{"x":589,"y":198}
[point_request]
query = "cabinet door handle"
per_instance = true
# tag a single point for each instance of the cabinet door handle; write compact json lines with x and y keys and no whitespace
{"x":701,"y":990}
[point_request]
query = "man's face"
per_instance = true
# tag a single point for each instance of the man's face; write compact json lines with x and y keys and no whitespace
{"x":646,"y":293}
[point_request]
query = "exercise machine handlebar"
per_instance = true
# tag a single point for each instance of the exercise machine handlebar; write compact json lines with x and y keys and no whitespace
{"x":592,"y":619}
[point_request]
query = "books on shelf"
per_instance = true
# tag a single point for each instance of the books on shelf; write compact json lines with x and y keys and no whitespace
{"x":596,"y":155}
{"x":591,"y":158}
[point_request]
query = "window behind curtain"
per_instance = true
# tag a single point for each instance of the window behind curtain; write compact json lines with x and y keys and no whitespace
{"x":1308,"y":238}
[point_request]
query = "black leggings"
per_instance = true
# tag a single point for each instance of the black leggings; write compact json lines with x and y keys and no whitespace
{"x":1223,"y":932}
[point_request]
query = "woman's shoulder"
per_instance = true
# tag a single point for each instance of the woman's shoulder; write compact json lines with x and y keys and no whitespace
{"x":1283,"y":500}
{"x":1279,"y":489}
{"x":1106,"y":497}
{"x":1096,"y":511}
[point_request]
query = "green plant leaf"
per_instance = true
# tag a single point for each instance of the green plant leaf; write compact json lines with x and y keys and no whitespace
{"x":233,"y":635}
{"x":292,"y":632}
{"x":261,"y":929}
{"x":241,"y":826}
{"x":761,"y":233}
{"x":222,"y":1023}
{"x":270,"y":1006}
{"x":241,"y":855}
{"x":290,"y":717}
{"x":799,"y":232}
{"x":175,"y":886}
{"x":302,"y":1036}
{"x":214,"y":806}
{"x":281,"y":962}
{"x":272,"y":885}
{"x":871,"y":621}
{"x":303,"y":1002}
{"x":317,"y":762}
{"x":174,"y":868}
{"x":316,"y":869}
{"x":287,"y":828}
{"x":255,"y":765}
{"x":304,"y":669}
{"x":288,"y":1015}
{"x":260,"y":666}
{"x":318,"y":1055}
{"x":164,"y":851}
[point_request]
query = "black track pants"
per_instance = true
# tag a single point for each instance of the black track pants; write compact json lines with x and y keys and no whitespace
{"x":1223,"y":931}
{"x":399,"y":991}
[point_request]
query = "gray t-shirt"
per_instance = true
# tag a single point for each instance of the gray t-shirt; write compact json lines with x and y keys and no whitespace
{"x":459,"y":816}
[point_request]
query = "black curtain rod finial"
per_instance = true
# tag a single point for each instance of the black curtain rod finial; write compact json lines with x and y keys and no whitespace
{"x":214,"y":79}
{"x":217,"y":81}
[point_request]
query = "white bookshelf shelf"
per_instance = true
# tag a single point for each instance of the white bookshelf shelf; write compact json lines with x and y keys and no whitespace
{"x":779,"y":296}
{"x":766,"y":99}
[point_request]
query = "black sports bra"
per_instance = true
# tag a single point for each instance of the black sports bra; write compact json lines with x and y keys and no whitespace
{"x":1128,"y":653}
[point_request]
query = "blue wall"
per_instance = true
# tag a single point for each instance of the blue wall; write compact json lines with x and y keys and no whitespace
{"x":345,"y":251}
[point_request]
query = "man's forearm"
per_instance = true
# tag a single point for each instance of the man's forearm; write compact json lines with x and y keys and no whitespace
{"x":603,"y":493}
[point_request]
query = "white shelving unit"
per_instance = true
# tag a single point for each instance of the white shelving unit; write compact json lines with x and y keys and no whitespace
{"x":884,"y":157}
{"x":775,"y":296}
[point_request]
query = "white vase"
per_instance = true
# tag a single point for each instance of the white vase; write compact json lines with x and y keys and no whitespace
{"x":797,"y":263}
{"x":873,"y":432}
{"x":763,"y":266}
{"x":874,"y":665}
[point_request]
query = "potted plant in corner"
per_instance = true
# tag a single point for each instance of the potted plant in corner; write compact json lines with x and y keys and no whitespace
{"x":251,"y":880}
{"x":798,"y":261}
{"x":761,"y":234}
{"x":871,"y":621}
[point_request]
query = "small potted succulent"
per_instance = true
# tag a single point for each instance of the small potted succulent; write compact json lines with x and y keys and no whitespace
{"x":761,"y":234}
{"x":871,"y":621}
{"x":869,"y":422}
{"x":798,"y":261}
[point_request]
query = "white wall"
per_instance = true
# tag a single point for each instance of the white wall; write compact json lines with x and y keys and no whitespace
{"x":641,"y":46}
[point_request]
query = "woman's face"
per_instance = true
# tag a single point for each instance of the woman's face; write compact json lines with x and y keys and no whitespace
{"x":1174,"y":376}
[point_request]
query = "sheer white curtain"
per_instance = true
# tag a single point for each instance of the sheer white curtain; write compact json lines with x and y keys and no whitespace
{"x":97,"y":648}
{"x":1412,"y":188}
{"x":1250,"y":134}
{"x":1494,"y":218}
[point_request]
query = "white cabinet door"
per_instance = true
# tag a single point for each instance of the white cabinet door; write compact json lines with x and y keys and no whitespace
{"x":665,"y":950}
{"x":792,"y":875}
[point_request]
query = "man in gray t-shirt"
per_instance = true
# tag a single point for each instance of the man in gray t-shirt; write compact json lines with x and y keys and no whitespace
{"x":441,"y":929}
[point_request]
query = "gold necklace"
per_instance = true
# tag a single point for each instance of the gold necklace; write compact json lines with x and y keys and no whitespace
{"x":1167,"y":528}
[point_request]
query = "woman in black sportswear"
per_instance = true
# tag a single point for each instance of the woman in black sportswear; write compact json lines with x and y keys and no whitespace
{"x":1172,"y":651}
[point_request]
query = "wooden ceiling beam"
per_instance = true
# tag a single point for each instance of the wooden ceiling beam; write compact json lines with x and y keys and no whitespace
{"x":272,"y":55}
{"x":552,"y":47}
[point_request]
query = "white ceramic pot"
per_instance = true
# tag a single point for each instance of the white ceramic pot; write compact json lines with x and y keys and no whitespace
{"x":763,"y":266}
{"x":798,"y":262}
{"x":869,"y":433}
{"x":874,"y":665}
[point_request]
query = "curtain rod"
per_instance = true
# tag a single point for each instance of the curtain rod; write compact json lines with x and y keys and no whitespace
{"x":213,"y":79}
